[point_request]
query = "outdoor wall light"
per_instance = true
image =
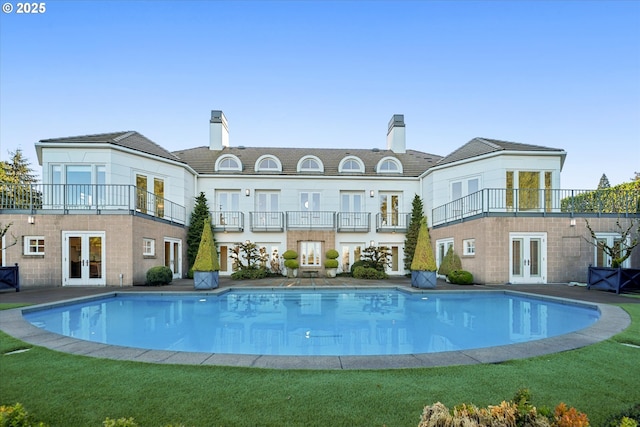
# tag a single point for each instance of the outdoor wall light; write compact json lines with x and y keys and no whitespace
{"x":31,"y":219}
{"x":372,"y":243}
{"x":247,"y":192}
{"x":572,"y":222}
{"x":371,"y":193}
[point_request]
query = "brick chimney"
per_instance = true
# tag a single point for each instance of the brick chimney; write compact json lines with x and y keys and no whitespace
{"x":218,"y":131}
{"x":396,"y":136}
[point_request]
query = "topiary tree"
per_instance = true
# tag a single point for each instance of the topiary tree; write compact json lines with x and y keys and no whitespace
{"x":411,"y":238}
{"x":450,"y":262}
{"x":207,"y":256}
{"x":423,"y":258}
{"x":196,"y":225}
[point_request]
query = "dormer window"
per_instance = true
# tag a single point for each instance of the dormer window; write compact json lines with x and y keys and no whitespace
{"x":228,"y":163}
{"x":268,"y":164}
{"x":310,"y":164}
{"x":389,"y":165}
{"x":351,"y":165}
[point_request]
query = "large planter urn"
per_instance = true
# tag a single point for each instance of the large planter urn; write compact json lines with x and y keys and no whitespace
{"x":205,"y":279}
{"x":331,"y":272}
{"x":423,"y":279}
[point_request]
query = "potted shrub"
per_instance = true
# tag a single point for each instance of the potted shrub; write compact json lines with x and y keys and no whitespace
{"x":423,"y":266}
{"x":291,"y":262}
{"x":331,"y":263}
{"x":206,"y":267}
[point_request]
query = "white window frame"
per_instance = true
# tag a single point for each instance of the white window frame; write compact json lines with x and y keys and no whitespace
{"x":30,"y":248}
{"x":148,"y":246}
{"x":469,"y":247}
{"x":222,"y":159}
{"x":389,"y":160}
{"x":315,"y":159}
{"x":610,"y":239}
{"x":260,"y":168}
{"x":441,"y":254}
{"x":351,"y":160}
{"x":307,"y":248}
{"x":310,"y":201}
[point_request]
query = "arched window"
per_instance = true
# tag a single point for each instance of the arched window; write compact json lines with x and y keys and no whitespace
{"x":268,"y":164}
{"x":228,"y":163}
{"x":389,"y":165}
{"x":351,"y":164}
{"x":310,"y":164}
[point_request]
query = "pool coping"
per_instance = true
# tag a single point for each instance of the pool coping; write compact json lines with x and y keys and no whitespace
{"x":613,"y":320}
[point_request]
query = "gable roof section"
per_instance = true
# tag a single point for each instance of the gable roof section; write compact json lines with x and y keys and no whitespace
{"x":129,"y":139}
{"x":480,"y":146}
{"x":203,"y":160}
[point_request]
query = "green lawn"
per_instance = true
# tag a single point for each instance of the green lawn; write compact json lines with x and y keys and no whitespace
{"x":67,"y":390}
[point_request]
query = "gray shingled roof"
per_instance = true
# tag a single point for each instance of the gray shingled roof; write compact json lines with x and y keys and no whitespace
{"x":127,"y":139}
{"x":203,"y":160}
{"x":479,"y":146}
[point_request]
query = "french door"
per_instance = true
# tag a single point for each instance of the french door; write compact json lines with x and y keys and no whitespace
{"x":528,"y":257}
{"x":83,"y":260}
{"x":173,"y":256}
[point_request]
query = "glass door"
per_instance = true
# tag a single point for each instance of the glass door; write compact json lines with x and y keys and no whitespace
{"x":83,"y":260}
{"x":173,"y":256}
{"x":527,"y":258}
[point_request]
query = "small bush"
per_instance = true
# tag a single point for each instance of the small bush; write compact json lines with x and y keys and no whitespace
{"x":159,"y":275}
{"x":120,"y":422}
{"x":361,"y":272}
{"x":460,"y":277}
{"x":332,"y":254}
{"x":290,"y":254}
{"x":632,"y":413}
{"x":16,"y":416}
{"x":249,"y":273}
{"x":291,"y":264}
{"x":331,"y":263}
{"x":357,"y":264}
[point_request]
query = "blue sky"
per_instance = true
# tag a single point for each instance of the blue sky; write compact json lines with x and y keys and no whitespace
{"x":563,"y":74}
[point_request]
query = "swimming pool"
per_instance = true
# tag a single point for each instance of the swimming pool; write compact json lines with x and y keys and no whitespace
{"x":314,"y":322}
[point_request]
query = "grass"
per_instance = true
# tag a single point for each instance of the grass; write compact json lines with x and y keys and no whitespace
{"x":67,"y":390}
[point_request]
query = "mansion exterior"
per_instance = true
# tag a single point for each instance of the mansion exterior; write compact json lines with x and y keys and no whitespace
{"x":113,"y":205}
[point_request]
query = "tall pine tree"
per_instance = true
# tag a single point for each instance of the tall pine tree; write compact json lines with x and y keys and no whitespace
{"x":196,"y":225}
{"x":604,"y":182}
{"x":17,"y":170}
{"x":411,"y":238}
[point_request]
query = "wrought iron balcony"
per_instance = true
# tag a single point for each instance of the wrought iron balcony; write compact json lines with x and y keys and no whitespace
{"x":311,"y":220}
{"x":509,"y":202}
{"x":227,"y":220}
{"x":392,"y":222}
{"x":87,"y":198}
{"x":354,"y":221}
{"x":266,"y":221}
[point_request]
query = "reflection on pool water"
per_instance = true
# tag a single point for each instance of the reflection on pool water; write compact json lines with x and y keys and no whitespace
{"x":315,"y":322}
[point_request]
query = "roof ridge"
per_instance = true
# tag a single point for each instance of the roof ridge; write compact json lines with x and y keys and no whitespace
{"x":490,"y":143}
{"x":124,"y":136}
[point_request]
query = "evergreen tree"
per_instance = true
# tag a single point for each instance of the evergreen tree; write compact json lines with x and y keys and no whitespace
{"x":604,"y":182}
{"x":196,"y":225}
{"x":411,"y":238}
{"x":17,"y":170}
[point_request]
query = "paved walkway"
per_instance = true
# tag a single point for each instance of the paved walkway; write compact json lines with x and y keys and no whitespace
{"x":613,"y":320}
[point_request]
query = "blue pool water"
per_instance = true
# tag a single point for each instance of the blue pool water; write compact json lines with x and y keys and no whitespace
{"x":314,"y":322}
